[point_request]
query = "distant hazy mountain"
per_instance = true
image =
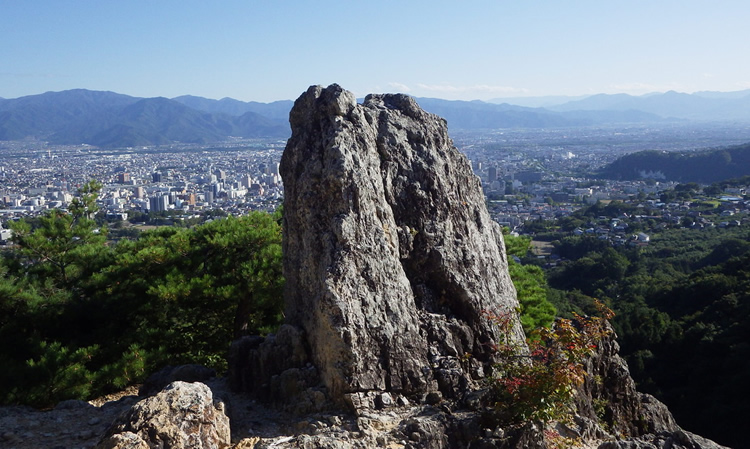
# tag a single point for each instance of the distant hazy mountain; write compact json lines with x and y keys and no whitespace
{"x":112,"y":120}
{"x":720,"y":95}
{"x":538,"y":102}
{"x":705,"y":167}
{"x":275,"y":110}
{"x":481,"y":115}
{"x":108,"y":119}
{"x":697,"y":106}
{"x":459,"y":114}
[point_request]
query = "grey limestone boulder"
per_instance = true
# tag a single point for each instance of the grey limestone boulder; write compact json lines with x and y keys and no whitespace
{"x":183,"y":415}
{"x":390,"y":256}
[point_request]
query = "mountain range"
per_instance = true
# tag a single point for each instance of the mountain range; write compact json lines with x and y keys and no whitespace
{"x":702,"y":106}
{"x":108,"y":119}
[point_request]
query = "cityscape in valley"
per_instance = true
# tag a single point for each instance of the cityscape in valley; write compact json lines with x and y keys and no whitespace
{"x":185,"y":180}
{"x":527,"y":175}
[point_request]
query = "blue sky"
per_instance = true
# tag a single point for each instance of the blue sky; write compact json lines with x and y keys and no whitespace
{"x":273,"y":50}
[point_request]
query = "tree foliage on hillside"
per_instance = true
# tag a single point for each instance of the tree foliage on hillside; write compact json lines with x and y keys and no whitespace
{"x":706,"y":166}
{"x":531,"y":286}
{"x":682,"y":306}
{"x":58,"y":249}
{"x":79,"y":317}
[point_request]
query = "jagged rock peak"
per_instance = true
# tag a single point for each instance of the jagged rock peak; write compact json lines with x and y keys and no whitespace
{"x":390,"y":256}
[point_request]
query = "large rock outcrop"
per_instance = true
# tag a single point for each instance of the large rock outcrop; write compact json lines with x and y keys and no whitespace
{"x":390,"y":256}
{"x":391,"y":261}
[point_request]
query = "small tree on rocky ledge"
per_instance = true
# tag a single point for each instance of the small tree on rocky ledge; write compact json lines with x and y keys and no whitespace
{"x":539,"y":385}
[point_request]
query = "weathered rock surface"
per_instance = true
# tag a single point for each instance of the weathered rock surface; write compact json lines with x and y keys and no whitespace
{"x":182,"y":415}
{"x":611,"y":408}
{"x":391,"y":258}
{"x":277,"y":369}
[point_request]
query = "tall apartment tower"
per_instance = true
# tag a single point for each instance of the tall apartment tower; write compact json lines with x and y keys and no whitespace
{"x":123,"y":178}
{"x":159,"y":203}
{"x":492,"y":174}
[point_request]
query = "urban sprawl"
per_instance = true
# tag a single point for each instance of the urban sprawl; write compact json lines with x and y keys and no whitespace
{"x":526,"y":175}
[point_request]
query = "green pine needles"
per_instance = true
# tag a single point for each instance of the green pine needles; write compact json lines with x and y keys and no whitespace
{"x":81,"y":317}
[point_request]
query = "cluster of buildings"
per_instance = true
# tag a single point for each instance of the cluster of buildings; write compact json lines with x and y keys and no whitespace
{"x":527,"y":176}
{"x":536,"y":175}
{"x":178,"y":181}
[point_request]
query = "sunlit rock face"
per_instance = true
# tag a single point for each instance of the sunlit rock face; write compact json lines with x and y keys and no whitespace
{"x":390,"y":257}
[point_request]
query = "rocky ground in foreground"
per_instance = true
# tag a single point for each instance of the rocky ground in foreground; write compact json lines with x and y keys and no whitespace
{"x":71,"y":424}
{"x":79,"y":424}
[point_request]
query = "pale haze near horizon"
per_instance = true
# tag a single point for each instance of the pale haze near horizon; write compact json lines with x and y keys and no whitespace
{"x":267,"y":51}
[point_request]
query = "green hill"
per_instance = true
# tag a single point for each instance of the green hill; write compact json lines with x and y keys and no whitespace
{"x":704,"y":167}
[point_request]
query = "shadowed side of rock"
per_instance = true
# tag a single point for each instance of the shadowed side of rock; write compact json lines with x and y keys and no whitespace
{"x":609,"y":407}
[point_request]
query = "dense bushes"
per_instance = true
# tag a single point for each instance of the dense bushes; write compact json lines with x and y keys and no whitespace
{"x":539,"y":384}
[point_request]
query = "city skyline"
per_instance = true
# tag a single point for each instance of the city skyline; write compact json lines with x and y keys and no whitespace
{"x":257,"y":51}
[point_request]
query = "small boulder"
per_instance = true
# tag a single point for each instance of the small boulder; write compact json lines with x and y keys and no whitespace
{"x":183,"y":415}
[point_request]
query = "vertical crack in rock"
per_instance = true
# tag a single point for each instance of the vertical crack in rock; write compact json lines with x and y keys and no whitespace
{"x":390,"y":256}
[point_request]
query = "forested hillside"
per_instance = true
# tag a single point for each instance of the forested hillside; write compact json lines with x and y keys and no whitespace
{"x":80,"y":317}
{"x":704,"y":167}
{"x":682,"y":307}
